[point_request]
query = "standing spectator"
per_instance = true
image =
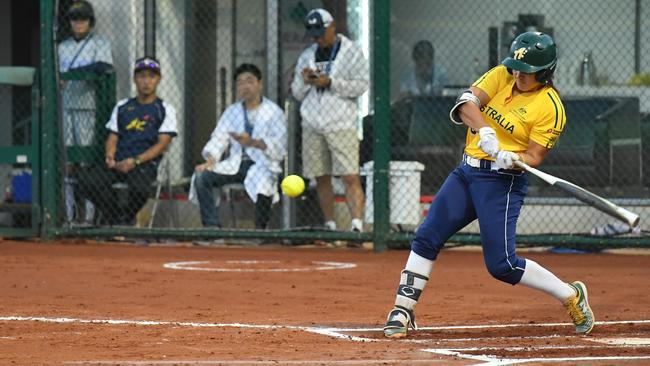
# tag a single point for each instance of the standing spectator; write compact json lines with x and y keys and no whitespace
{"x":426,"y":78}
{"x":255,"y":132}
{"x":329,"y":77}
{"x":86,"y":51}
{"x":139,"y":131}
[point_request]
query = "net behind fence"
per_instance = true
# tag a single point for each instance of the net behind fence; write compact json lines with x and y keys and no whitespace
{"x":235,"y":95}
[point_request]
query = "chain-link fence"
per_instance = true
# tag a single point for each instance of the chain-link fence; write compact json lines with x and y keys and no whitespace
{"x":206,"y":157}
{"x":439,"y":48}
{"x":19,"y":151}
{"x":225,"y":75}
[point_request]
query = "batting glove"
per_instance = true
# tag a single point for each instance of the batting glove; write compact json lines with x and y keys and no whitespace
{"x":506,"y":159}
{"x":488,"y":141}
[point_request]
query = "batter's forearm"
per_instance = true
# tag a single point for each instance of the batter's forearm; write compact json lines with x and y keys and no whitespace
{"x":534,"y":155}
{"x":471,"y":115}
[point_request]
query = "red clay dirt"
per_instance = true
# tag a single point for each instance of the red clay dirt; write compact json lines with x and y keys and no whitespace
{"x":97,"y":282}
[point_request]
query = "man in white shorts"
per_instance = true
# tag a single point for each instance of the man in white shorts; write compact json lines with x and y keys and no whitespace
{"x":329,"y":77}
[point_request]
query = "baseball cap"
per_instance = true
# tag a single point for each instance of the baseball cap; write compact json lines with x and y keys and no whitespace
{"x":316,"y":21}
{"x":81,"y":10}
{"x":147,"y":63}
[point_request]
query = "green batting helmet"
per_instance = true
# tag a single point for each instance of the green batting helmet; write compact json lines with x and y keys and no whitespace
{"x":532,"y":52}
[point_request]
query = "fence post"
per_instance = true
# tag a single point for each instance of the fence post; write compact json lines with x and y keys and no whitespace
{"x":380,"y":60}
{"x":49,"y":122}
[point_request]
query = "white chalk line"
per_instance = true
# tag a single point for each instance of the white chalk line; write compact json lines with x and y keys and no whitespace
{"x":536,"y":348}
{"x":319,"y":266}
{"x":619,"y":341}
{"x":498,"y":326}
{"x":492,"y":360}
{"x":145,"y":322}
{"x":475,"y":339}
{"x":427,"y":361}
{"x":488,"y":360}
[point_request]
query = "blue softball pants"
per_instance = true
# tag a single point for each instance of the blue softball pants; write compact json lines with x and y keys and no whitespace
{"x":494,"y":198}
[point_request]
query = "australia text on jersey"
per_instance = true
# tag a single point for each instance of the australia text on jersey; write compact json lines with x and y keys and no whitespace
{"x":498,"y":118}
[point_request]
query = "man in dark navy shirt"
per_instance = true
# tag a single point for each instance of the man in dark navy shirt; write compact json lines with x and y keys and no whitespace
{"x":140,"y":130}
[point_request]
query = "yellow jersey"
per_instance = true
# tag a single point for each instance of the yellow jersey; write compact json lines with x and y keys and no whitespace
{"x":531,"y":116}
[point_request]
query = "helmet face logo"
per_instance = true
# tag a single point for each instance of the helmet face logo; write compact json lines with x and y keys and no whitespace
{"x":519,"y":53}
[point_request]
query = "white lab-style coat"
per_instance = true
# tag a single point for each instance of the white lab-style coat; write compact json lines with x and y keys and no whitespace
{"x":333,"y":109}
{"x":269,"y":125}
{"x":80,"y":94}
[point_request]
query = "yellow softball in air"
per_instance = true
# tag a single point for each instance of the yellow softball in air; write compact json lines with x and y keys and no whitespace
{"x":293,"y":185}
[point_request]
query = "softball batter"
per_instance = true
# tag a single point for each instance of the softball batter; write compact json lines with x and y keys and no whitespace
{"x":513,"y":113}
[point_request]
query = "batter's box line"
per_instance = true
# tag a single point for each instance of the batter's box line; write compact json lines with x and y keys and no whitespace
{"x":486,"y":360}
{"x":493,"y":360}
{"x":498,"y":326}
{"x":342,"y":332}
{"x":329,"y":331}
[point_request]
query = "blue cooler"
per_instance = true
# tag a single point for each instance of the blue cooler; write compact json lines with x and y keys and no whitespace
{"x":22,"y":188}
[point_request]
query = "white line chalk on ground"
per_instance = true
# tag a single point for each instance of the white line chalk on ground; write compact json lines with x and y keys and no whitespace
{"x":485,"y":359}
{"x":316,"y":266}
{"x":428,"y":361}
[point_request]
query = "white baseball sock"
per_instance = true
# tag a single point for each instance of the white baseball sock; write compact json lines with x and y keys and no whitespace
{"x":418,"y":264}
{"x":539,"y":278}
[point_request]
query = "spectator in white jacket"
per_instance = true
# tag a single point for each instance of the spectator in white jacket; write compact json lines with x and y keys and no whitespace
{"x":84,"y":50}
{"x":253,"y":134}
{"x":329,"y":77}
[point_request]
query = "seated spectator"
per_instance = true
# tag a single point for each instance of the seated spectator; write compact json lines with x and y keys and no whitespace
{"x":140,"y":130}
{"x":253,"y":135}
{"x":426,"y":78}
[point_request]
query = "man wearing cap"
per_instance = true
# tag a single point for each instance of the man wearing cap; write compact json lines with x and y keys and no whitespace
{"x":329,"y":76}
{"x":139,"y":131}
{"x":83,"y":50}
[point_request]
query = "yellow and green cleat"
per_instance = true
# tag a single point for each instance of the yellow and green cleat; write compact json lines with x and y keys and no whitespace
{"x":579,"y":310}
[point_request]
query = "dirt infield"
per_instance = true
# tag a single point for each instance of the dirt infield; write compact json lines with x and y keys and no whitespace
{"x":116,"y":304}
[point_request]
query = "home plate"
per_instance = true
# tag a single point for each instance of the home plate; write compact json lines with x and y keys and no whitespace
{"x":623,"y":341}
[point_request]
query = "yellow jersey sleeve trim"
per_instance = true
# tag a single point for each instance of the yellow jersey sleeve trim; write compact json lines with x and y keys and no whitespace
{"x":561,"y":114}
{"x":547,"y":131}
